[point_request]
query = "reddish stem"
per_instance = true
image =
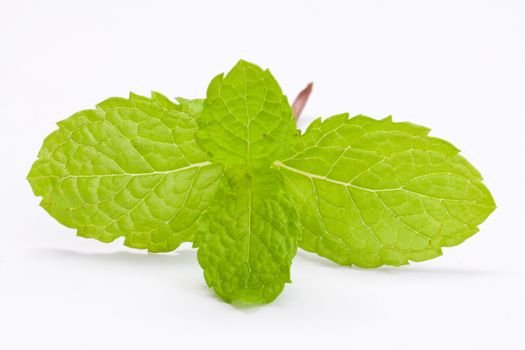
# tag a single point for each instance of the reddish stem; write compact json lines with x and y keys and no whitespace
{"x":300,"y":100}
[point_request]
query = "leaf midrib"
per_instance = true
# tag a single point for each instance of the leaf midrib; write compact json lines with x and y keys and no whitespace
{"x":191,"y":166}
{"x":279,"y":164}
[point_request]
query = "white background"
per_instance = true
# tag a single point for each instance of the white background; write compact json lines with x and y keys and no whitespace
{"x":455,"y":66}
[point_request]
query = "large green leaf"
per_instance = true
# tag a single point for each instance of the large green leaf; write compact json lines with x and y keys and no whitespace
{"x":246,"y":120}
{"x":373,"y":192}
{"x":130,"y":167}
{"x":248,"y":237}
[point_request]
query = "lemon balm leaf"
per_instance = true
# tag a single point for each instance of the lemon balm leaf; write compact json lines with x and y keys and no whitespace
{"x":374,"y":192}
{"x":246,"y":120}
{"x":130,"y":167}
{"x":248,"y":237}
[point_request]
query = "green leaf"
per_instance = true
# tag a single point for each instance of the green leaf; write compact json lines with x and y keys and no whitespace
{"x":248,"y":237}
{"x":373,"y":192}
{"x":246,"y":120}
{"x":130,"y":167}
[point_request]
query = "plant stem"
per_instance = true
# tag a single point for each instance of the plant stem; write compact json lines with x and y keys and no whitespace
{"x":300,"y":100}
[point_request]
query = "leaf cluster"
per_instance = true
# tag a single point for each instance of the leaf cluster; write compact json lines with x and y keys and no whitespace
{"x":232,"y":174}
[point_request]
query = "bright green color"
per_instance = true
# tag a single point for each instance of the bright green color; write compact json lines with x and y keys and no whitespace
{"x":246,"y":120}
{"x":129,"y":168}
{"x":232,"y":174}
{"x":374,"y":192}
{"x":248,"y":237}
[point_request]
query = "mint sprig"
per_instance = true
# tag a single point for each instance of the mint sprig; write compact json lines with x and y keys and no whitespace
{"x":232,"y":174}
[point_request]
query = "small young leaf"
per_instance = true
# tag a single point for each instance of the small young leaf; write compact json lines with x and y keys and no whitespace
{"x":248,"y":237}
{"x":129,"y":168}
{"x":374,"y":192}
{"x":246,"y":120}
